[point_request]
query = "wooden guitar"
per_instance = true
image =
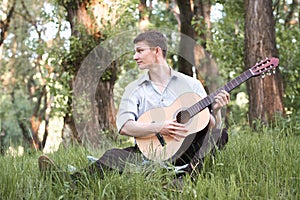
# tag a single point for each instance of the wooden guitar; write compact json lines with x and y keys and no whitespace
{"x":191,"y":110}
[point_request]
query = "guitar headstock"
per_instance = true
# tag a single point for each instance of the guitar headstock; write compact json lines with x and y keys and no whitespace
{"x":265,"y":66}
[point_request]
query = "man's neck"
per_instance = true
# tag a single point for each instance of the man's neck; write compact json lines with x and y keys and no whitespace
{"x":160,"y":73}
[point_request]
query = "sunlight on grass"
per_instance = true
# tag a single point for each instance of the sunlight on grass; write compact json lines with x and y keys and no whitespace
{"x":254,"y":165}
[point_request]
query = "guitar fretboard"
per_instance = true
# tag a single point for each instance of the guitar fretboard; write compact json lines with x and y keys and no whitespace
{"x":199,"y":106}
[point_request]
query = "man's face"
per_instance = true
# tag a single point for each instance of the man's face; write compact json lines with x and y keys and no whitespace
{"x":145,"y":56}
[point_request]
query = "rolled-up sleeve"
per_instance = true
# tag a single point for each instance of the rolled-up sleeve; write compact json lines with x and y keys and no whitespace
{"x":128,"y":108}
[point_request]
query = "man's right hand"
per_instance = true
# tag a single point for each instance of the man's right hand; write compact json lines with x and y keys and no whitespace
{"x":173,"y":129}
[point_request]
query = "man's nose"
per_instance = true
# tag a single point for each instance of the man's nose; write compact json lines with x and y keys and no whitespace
{"x":135,"y":56}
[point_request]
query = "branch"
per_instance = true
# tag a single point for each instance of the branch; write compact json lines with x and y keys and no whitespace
{"x":4,"y":25}
{"x":291,"y":13}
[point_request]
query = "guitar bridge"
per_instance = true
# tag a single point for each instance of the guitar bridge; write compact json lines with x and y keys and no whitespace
{"x":161,"y":139}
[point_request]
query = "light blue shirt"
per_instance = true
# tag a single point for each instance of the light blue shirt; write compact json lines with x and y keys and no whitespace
{"x":142,"y":95}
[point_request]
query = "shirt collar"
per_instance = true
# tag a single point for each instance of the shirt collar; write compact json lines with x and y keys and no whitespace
{"x":143,"y":79}
{"x":146,"y":78}
{"x":174,"y":73}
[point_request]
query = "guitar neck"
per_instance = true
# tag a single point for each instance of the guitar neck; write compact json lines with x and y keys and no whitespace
{"x":199,"y":106}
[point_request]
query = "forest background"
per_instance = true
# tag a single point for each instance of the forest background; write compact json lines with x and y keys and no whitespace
{"x":65,"y":63}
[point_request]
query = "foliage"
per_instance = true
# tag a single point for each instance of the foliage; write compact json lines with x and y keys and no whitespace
{"x":288,"y":42}
{"x":77,"y":50}
{"x":21,"y":70}
{"x":227,"y":45}
{"x":29,"y":49}
{"x":227,"y":48}
{"x":10,"y":113}
{"x":128,"y":73}
{"x":162,"y":16}
{"x":64,"y":62}
{"x":260,"y":165}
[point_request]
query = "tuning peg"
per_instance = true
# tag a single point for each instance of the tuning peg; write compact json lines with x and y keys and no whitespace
{"x":263,"y":75}
{"x":274,"y":71}
{"x":269,"y":73}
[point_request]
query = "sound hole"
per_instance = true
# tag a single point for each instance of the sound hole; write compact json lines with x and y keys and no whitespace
{"x":183,"y":117}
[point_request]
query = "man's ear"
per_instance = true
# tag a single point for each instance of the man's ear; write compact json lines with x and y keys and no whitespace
{"x":159,"y":51}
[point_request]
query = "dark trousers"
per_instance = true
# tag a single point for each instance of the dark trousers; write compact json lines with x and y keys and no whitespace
{"x":203,"y":144}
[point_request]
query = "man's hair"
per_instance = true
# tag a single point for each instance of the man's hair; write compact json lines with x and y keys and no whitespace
{"x":153,"y":39}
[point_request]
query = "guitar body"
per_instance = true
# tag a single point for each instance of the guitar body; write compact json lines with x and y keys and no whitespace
{"x":161,"y":148}
{"x":191,"y":110}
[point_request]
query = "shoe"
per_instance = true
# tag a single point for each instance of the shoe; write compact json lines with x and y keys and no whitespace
{"x":91,"y":159}
{"x":46,"y":164}
{"x":48,"y":167}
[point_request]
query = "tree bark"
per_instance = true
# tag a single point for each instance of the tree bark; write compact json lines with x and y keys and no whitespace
{"x":186,"y":58}
{"x":265,"y":95}
{"x":104,"y":100}
{"x":144,"y":15}
{"x":206,"y":67}
{"x":38,"y":91}
{"x":101,"y":106}
{"x":5,"y":21}
{"x":202,"y":12}
{"x":289,"y":18}
{"x":30,"y":138}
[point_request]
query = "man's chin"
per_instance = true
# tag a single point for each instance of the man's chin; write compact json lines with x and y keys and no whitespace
{"x":141,"y":67}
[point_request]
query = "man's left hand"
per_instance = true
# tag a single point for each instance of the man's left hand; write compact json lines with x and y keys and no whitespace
{"x":221,"y":100}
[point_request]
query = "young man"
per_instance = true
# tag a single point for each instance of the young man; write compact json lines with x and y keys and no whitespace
{"x":159,"y":87}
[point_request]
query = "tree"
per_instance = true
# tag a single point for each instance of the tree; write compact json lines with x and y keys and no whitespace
{"x":39,"y":75}
{"x":265,"y":95}
{"x":194,"y":22}
{"x":94,"y":115}
{"x":7,"y":14}
{"x":288,"y":39}
{"x":144,"y":15}
{"x":186,"y":58}
{"x":23,"y":80}
{"x":205,"y":65}
{"x":85,"y":35}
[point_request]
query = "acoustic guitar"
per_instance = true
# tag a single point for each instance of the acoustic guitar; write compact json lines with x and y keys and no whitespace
{"x":191,"y":110}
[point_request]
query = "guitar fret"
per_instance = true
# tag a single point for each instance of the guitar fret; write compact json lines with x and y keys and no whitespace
{"x":201,"y":105}
{"x":227,"y":87}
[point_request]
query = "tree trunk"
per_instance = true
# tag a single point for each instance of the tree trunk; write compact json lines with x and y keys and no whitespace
{"x":202,"y":10}
{"x":31,"y":139}
{"x":144,"y":16}
{"x":206,"y":67}
{"x":105,"y":100}
{"x":30,"y":133}
{"x":37,"y":117}
{"x":102,"y":112}
{"x":2,"y":137}
{"x":289,"y":18}
{"x":265,"y":95}
{"x":37,"y":91}
{"x":186,"y":58}
{"x":5,"y":19}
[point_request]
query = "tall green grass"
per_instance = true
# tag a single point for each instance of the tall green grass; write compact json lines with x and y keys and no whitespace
{"x":254,"y":165}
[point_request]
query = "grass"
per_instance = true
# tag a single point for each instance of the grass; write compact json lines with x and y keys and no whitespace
{"x":254,"y":165}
